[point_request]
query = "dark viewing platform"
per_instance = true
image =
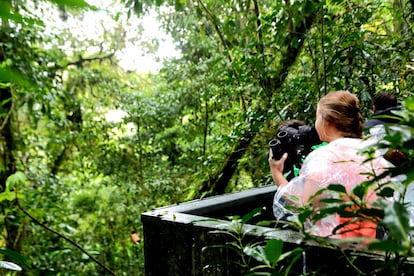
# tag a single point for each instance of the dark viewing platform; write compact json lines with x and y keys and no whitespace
{"x":175,"y":239}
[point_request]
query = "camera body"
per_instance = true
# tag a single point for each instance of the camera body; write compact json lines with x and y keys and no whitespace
{"x":297,"y":142}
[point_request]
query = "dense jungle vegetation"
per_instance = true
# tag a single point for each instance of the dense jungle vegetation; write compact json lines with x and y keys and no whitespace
{"x":73,"y":183}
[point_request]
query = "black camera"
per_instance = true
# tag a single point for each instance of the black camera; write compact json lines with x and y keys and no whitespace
{"x":297,"y":142}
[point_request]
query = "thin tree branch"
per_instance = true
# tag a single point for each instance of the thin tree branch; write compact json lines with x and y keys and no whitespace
{"x":82,"y":60}
{"x":323,"y":52}
{"x":216,"y":27}
{"x":3,"y":124}
{"x":63,"y":237}
{"x":259,"y":31}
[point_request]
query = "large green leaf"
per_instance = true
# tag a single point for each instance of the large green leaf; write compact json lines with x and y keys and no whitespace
{"x":386,"y":245}
{"x":396,"y":220}
{"x":409,"y":103}
{"x":273,"y":251}
{"x":9,"y":76}
{"x":14,"y":256}
{"x":18,"y":178}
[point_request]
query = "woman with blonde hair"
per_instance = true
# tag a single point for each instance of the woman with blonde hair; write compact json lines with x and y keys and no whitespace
{"x":338,"y":122}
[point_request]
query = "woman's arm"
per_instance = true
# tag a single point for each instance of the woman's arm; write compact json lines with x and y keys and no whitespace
{"x":316,"y":173}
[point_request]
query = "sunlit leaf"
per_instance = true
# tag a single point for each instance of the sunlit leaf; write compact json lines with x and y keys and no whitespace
{"x":7,"y":195}
{"x":15,"y":179}
{"x":409,"y":103}
{"x":5,"y":13}
{"x":75,"y":4}
{"x":256,"y":252}
{"x":10,"y":266}
{"x":9,"y":75}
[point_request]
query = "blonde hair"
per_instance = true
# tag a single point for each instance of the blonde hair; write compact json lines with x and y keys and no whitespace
{"x":341,"y":108}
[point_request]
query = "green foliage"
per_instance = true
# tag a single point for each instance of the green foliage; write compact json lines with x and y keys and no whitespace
{"x":272,"y":257}
{"x":238,"y":62}
{"x":90,"y":178}
{"x":254,"y":256}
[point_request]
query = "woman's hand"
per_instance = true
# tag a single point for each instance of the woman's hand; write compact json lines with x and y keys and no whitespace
{"x":277,"y":165}
{"x":276,"y":168}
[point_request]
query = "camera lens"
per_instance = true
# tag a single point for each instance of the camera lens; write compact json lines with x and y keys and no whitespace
{"x":282,"y":135}
{"x":275,"y":143}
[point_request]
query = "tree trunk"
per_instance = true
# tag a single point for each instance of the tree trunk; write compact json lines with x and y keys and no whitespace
{"x":7,"y":162}
{"x":13,"y":242}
